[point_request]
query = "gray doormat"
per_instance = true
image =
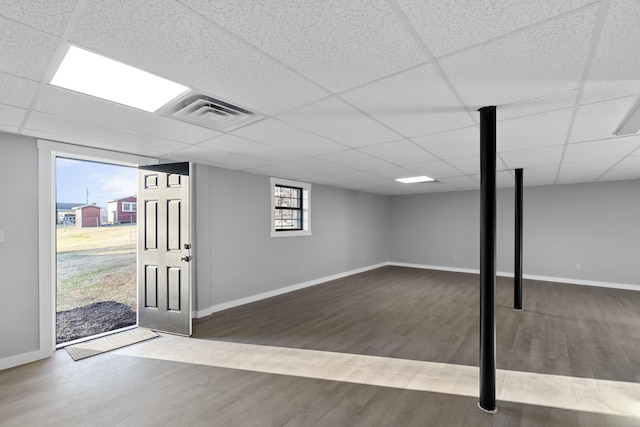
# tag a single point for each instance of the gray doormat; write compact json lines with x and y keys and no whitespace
{"x":111,"y":342}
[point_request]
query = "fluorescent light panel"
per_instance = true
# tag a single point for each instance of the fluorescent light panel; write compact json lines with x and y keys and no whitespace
{"x":95,"y":75}
{"x":415,"y":179}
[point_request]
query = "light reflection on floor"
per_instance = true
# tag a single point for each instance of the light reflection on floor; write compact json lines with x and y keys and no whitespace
{"x":579,"y":394}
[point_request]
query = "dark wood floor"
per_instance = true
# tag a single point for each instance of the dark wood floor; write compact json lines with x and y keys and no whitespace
{"x":392,"y":312}
{"x":429,"y":315}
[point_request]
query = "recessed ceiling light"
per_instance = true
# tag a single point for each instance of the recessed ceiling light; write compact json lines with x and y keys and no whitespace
{"x":95,"y":75}
{"x":631,"y":124}
{"x":415,"y":179}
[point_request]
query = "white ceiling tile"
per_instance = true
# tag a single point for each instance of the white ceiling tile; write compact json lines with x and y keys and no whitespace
{"x":577,"y":177}
{"x":11,"y":116}
{"x":467,"y":165}
{"x":437,"y":169}
{"x":631,"y":162}
{"x":362,"y":187}
{"x":399,"y":188}
{"x":105,"y":144}
{"x":532,"y":74}
{"x":47,"y":15}
{"x":7,"y":128}
{"x":504,"y":179}
{"x":544,"y":60}
{"x":355,"y":159}
{"x":538,"y":105}
{"x":235,"y":144}
{"x":335,"y":43}
{"x":282,"y":135}
{"x":547,"y":169}
{"x":586,"y":171}
{"x":219,"y":158}
{"x":25,"y":52}
{"x":366,"y":177}
{"x":415,"y":102}
{"x":539,"y":130}
{"x":83,"y":131}
{"x":614,"y":71}
{"x":322,"y":167}
{"x":433,"y":187}
{"x":284,"y":171}
{"x":614,"y":148}
{"x":166,"y":39}
{"x":452,"y":25}
{"x":340,"y":122}
{"x":616,"y":174}
{"x":55,"y":100}
{"x":600,"y":120}
{"x":453,"y":144}
{"x":16,"y":91}
{"x":461,"y":182}
{"x":335,"y":180}
{"x":537,"y":180}
{"x":399,"y":152}
{"x":393,"y":172}
{"x":536,"y":156}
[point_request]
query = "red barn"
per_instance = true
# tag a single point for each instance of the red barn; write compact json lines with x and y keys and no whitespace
{"x":123,"y":210}
{"x":87,"y":216}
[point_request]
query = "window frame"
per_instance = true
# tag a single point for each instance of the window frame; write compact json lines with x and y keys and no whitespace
{"x":298,"y":210}
{"x":131,"y":205}
{"x":305,"y":208}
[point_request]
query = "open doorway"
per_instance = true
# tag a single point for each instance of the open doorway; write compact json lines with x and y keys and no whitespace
{"x":96,"y":232}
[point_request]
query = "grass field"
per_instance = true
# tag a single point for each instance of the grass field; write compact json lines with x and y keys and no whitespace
{"x":96,"y":264}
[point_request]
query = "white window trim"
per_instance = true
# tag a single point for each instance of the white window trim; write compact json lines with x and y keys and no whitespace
{"x":306,"y":208}
{"x":130,"y":205}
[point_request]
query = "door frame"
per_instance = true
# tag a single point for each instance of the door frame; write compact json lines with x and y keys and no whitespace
{"x":48,"y":151}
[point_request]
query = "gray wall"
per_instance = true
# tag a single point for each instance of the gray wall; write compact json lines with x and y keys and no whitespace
{"x":595,"y":225}
{"x":237,"y":258}
{"x":19,"y":316}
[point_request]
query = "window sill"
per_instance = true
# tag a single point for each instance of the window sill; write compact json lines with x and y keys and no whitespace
{"x":297,"y":233}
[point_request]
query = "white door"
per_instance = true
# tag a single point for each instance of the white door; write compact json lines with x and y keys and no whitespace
{"x":164,"y":248}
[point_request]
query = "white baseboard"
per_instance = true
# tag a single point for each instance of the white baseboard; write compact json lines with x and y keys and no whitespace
{"x":21,"y":359}
{"x":280,"y":291}
{"x":626,"y":286}
{"x":434,"y":267}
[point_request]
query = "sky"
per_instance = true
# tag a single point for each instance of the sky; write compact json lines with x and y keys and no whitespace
{"x":104,"y":181}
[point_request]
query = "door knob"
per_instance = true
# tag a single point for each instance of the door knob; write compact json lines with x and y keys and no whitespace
{"x":186,"y":258}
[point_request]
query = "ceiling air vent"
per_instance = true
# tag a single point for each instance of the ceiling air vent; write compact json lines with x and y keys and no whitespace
{"x":209,"y":112}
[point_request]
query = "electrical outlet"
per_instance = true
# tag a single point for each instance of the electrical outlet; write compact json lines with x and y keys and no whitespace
{"x":578,"y":266}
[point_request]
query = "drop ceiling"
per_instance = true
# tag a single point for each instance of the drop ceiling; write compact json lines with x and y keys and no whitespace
{"x":352,"y":93}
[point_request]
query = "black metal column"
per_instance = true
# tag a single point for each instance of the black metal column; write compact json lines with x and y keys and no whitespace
{"x":517,"y":268}
{"x":487,"y":259}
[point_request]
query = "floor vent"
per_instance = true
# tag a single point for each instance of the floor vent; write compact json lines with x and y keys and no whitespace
{"x":209,"y":112}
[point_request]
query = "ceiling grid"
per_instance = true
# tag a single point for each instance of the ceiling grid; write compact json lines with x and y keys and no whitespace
{"x":349,"y":94}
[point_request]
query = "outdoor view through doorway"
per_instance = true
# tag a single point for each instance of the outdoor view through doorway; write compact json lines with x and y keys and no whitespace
{"x":96,"y":216}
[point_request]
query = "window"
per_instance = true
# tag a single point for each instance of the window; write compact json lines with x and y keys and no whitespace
{"x":288,"y":214}
{"x":129,"y":207}
{"x":290,"y":208}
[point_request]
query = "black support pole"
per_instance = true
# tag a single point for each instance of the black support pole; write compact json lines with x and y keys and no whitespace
{"x":517,"y":268}
{"x":487,"y":259}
